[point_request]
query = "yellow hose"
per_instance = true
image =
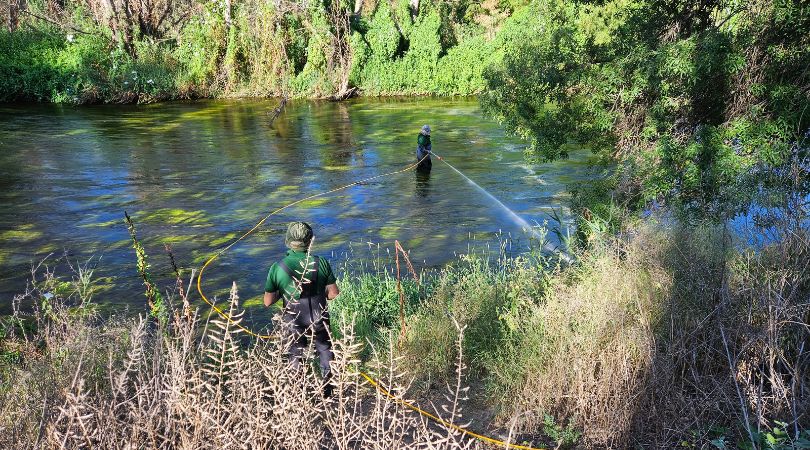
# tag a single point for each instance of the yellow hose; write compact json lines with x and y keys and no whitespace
{"x":373,"y":382}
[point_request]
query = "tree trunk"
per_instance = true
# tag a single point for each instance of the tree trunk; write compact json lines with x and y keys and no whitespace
{"x":414,"y":9}
{"x":14,"y":7}
{"x":229,"y":60}
{"x":121,"y":29}
{"x":358,"y":7}
{"x":111,"y":13}
{"x":126,"y":33}
{"x":340,"y":60}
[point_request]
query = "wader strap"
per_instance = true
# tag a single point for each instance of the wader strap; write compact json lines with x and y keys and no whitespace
{"x":307,"y":289}
{"x":311,"y":288}
{"x":286,"y":269}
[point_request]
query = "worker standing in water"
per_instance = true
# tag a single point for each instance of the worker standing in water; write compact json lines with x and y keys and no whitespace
{"x":423,"y":149}
{"x":305,"y":282}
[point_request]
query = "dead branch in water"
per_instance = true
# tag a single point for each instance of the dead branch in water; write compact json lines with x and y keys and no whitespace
{"x":277,"y":110}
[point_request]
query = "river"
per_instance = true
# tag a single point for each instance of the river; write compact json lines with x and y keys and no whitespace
{"x":195,"y":175}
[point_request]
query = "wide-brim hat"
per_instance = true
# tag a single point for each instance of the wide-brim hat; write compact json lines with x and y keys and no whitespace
{"x":426,"y":130}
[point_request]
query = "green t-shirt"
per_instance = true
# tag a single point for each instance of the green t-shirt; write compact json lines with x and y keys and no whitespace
{"x":278,"y":280}
{"x":423,"y":140}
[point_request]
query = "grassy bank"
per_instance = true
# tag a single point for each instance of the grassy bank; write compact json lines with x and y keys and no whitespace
{"x":664,"y":337}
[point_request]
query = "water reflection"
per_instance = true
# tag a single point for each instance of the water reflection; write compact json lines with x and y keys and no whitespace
{"x":197,"y":174}
{"x":422,"y":183}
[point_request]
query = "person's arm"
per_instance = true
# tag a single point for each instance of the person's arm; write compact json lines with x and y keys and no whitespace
{"x":270,"y":288}
{"x":270,"y":298}
{"x":332,"y":291}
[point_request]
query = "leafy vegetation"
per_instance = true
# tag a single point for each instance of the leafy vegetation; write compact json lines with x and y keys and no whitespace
{"x":74,"y":52}
{"x":154,"y":299}
{"x":668,"y":331}
{"x":702,"y":104}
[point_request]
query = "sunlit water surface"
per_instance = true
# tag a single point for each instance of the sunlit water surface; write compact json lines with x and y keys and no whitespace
{"x":196,"y":174}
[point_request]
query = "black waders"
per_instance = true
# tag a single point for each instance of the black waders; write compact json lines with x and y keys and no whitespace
{"x":308,"y":318}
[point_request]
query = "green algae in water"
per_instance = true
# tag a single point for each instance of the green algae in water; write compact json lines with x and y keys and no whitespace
{"x":47,"y":248}
{"x":255,"y":302}
{"x":351,"y":213}
{"x":223,"y":239}
{"x":173,"y":240}
{"x":390,"y":232}
{"x":175,"y":216}
{"x":313,"y":202}
{"x":414,"y":242}
{"x":24,"y":233}
{"x":325,"y":242}
{"x":254,"y":250}
{"x":107,"y":224}
{"x":168,"y":126}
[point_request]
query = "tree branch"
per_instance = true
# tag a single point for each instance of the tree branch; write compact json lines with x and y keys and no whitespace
{"x":53,"y":22}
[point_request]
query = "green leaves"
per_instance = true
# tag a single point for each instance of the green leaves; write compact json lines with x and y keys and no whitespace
{"x":563,"y":436}
{"x":157,"y":306}
{"x":547,"y":91}
{"x":687,"y":97}
{"x":776,"y":439}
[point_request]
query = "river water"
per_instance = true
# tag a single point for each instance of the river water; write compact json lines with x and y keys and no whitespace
{"x":195,"y":175}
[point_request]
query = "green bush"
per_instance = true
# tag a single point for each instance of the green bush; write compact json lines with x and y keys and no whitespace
{"x":27,"y":64}
{"x":372,"y":302}
{"x":687,"y":98}
{"x":268,"y":51}
{"x":82,"y":68}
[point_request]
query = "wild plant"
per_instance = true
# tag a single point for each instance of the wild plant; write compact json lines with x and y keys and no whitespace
{"x":153,"y":297}
{"x":185,"y":385}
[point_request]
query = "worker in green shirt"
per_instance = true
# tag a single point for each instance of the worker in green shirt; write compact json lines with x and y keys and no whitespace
{"x":305,"y":282}
{"x":423,"y":148}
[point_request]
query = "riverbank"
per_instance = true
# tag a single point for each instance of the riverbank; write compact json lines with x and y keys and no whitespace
{"x":255,"y":50}
{"x":646,"y":341}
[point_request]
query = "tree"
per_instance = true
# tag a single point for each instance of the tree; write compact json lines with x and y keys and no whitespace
{"x":14,"y":8}
{"x":687,"y":97}
{"x":340,"y":59}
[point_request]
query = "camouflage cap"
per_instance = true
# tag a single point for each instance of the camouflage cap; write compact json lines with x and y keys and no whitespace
{"x":299,"y":235}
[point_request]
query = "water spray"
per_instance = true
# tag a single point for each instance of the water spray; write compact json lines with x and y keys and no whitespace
{"x":547,"y":246}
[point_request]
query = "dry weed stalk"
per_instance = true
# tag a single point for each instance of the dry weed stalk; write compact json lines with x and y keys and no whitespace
{"x":595,"y":349}
{"x":139,"y":384}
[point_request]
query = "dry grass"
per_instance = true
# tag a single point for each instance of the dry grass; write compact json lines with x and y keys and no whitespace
{"x":588,"y":345}
{"x":661,"y":338}
{"x":666,"y":338}
{"x":131,"y":384}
